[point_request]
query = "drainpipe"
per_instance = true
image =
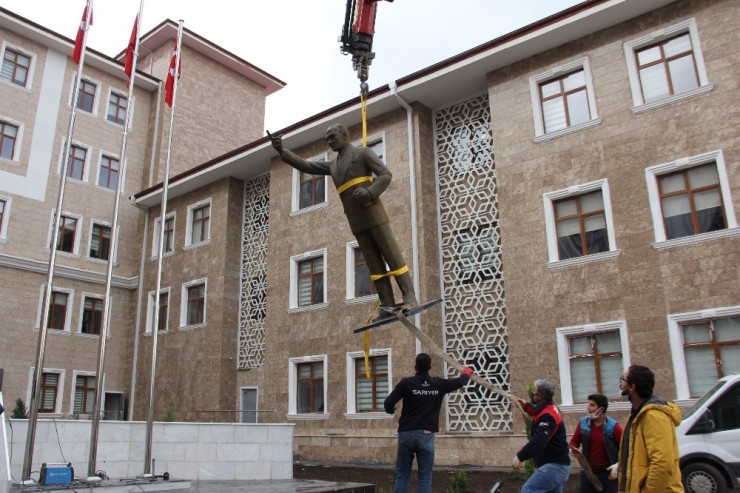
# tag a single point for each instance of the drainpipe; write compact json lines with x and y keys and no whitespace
{"x":412,"y":198}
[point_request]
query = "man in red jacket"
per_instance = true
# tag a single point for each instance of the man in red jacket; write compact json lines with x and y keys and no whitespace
{"x":422,"y":399}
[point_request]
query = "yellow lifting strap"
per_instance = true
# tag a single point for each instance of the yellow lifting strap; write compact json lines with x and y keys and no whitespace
{"x":397,"y":272}
{"x":363,"y":110}
{"x":366,"y":341}
{"x":351,"y":183}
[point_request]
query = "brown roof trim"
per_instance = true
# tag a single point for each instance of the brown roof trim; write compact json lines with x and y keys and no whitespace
{"x":522,"y":31}
{"x":262,"y":140}
{"x":61,"y":37}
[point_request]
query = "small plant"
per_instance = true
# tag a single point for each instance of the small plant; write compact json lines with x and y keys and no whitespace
{"x":169,"y":416}
{"x":459,"y":481}
{"x":20,"y":411}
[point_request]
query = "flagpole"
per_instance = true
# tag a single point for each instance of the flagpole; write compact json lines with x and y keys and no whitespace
{"x":160,"y":248}
{"x":39,"y":368}
{"x":92,"y":459}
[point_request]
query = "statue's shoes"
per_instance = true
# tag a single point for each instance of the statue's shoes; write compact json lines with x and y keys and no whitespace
{"x":386,"y":311}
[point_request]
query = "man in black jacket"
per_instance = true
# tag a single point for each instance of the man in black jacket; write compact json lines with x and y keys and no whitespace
{"x":422,"y":399}
{"x":548,"y":447}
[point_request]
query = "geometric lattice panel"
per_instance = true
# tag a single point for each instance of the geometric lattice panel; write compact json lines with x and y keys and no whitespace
{"x":253,"y":296}
{"x":474,"y":310}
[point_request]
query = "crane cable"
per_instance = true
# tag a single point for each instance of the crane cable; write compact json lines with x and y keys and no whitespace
{"x":366,"y":336}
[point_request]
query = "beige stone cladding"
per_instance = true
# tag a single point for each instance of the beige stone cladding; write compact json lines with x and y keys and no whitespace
{"x":195,"y":364}
{"x":216,"y":111}
{"x":643,"y":284}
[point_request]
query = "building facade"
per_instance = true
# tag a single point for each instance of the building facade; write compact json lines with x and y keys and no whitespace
{"x":570,"y":190}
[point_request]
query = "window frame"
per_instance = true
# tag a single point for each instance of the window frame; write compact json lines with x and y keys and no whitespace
{"x":68,"y":309}
{"x":675,"y":339}
{"x":96,"y":96}
{"x":293,"y":296}
{"x":31,"y":68}
{"x":652,"y":173}
{"x":549,"y":199}
{"x":78,"y":226}
{"x":562,"y":334}
{"x":87,"y":163}
{"x":660,"y":35}
{"x":150,"y":311}
{"x":111,"y":157}
{"x":155,"y":234}
{"x":93,"y":224}
{"x":350,"y":266}
{"x":554,"y":73}
{"x":185,"y":301}
{"x":17,"y":145}
{"x":293,"y":387}
{"x":59,"y":397}
{"x":83,"y":374}
{"x":351,"y":387}
{"x":5,"y":217}
{"x":96,"y":297}
{"x":119,"y":94}
{"x":189,"y":243}
{"x":295,"y":202}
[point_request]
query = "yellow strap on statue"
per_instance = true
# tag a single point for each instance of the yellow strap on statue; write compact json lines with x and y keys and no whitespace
{"x":397,"y":272}
{"x":366,"y":341}
{"x":354,"y":181}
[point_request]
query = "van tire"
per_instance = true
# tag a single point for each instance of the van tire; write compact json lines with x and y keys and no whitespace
{"x":699,"y":477}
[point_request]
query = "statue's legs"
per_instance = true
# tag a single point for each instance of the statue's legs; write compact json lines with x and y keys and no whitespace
{"x":380,"y":244}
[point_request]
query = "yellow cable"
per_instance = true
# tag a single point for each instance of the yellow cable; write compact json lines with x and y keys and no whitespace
{"x":366,"y":342}
{"x":351,"y":183}
{"x":363,"y":106}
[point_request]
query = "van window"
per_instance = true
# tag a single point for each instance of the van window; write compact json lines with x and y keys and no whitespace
{"x":726,"y":410}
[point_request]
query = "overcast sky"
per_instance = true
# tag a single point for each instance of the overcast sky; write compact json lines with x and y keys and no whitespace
{"x":296,"y":40}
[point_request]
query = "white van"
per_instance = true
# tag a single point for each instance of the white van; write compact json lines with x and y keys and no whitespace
{"x":709,"y":439}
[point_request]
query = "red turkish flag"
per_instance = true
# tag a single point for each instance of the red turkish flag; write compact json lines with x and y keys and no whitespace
{"x":169,"y":85}
{"x":129,"y":64}
{"x":77,"y":53}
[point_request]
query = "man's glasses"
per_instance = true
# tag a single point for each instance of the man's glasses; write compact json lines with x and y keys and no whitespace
{"x":622,"y":379}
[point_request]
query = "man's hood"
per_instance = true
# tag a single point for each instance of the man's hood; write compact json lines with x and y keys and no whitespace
{"x":670,"y":409}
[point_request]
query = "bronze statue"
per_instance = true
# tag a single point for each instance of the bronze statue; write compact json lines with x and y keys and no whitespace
{"x":352,"y":172}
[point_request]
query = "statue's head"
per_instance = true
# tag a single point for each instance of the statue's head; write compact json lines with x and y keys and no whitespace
{"x":337,"y":136}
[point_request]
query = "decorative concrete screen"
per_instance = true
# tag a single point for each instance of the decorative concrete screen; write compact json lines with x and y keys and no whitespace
{"x":474,"y":314}
{"x":253,"y":298}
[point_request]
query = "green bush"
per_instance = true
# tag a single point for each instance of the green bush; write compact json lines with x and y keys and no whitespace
{"x":20,"y":411}
{"x":459,"y":481}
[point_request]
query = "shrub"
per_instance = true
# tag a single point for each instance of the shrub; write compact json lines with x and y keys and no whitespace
{"x":459,"y":481}
{"x":20,"y":411}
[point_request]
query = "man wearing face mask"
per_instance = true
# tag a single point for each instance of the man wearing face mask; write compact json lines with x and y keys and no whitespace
{"x":648,"y":453}
{"x":599,"y":436}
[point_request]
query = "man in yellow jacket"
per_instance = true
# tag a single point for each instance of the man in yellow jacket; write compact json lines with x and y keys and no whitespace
{"x":648,"y":454}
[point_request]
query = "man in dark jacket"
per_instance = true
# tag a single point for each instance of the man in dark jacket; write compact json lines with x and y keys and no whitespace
{"x":548,"y":447}
{"x":422,"y":399}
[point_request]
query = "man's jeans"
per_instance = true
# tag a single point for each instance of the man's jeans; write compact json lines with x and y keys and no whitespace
{"x":547,"y":478}
{"x":421,"y":444}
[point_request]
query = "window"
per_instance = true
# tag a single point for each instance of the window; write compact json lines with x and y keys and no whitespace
{"x":117,"y":105}
{"x":86,"y":96}
{"x":308,"y":281}
{"x":309,"y":191}
{"x":100,"y":242}
{"x":666,"y":66}
{"x":478,"y":257}
{"x":579,"y":224}
{"x":725,"y":410}
{"x":85,"y":388}
{"x":591,"y":359}
{"x":366,"y":395}
{"x":164,"y":305}
{"x":16,"y":67}
{"x":563,"y":100}
{"x":690,"y":200}
{"x":8,"y":139}
{"x":311,"y":281}
{"x":193,"y":304}
{"x":76,"y":162}
{"x":4,"y":217}
{"x":67,"y":234}
{"x":169,"y":235}
{"x":199,"y":223}
{"x":307,"y":380}
{"x":705,"y":346}
{"x":58,"y":310}
{"x":92,"y":316}
{"x":109,"y":170}
{"x":358,"y":275}
{"x":49,"y":392}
